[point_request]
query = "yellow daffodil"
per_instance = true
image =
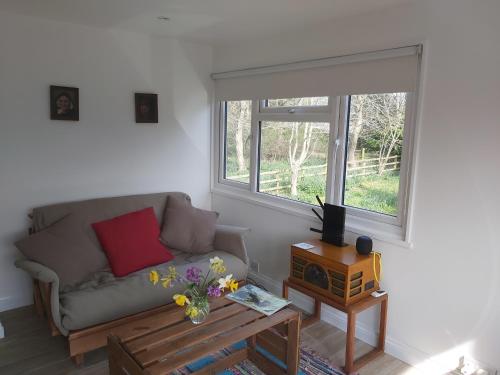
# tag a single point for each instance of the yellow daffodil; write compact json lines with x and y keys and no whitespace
{"x":192,"y":311}
{"x":233,"y":285}
{"x":224,"y":282}
{"x":166,"y":282}
{"x":154,"y":277}
{"x":217,"y":265}
{"x":181,"y":299}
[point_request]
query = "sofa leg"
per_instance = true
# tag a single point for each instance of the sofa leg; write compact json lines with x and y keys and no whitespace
{"x":78,"y":359}
{"x":45,"y":293}
{"x":37,"y":298}
{"x":54,"y":331}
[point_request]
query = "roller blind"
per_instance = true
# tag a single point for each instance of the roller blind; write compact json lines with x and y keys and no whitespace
{"x":394,"y":70}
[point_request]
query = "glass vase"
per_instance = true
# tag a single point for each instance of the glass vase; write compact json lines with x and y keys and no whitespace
{"x":203,"y":308}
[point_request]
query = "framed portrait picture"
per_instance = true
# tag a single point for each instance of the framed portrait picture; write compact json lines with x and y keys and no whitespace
{"x":146,"y":108}
{"x":64,"y":103}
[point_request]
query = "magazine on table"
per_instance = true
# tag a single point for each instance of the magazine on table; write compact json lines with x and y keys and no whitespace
{"x":258,"y":299}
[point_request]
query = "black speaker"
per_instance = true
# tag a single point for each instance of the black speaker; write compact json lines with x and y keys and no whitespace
{"x":364,"y":245}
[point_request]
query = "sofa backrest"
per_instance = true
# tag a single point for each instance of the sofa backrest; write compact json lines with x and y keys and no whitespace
{"x":90,"y":211}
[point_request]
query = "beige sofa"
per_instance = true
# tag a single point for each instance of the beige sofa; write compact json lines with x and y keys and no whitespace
{"x":102,"y":297}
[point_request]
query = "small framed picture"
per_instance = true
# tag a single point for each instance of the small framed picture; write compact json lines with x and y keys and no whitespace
{"x":146,"y":108}
{"x":64,"y":103}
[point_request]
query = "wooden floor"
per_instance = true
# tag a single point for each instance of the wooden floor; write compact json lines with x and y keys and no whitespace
{"x":28,"y":349}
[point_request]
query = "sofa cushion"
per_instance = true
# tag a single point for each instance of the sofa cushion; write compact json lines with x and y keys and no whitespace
{"x":188,"y":228}
{"x":131,"y":241}
{"x":106,"y":297}
{"x":62,"y":248}
{"x":84,"y":213}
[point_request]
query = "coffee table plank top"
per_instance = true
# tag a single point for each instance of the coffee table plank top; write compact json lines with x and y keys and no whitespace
{"x":148,"y":324}
{"x":187,"y":353}
{"x":184,"y":327}
{"x":176,"y":342}
{"x":187,"y":340}
{"x":162,"y":343}
{"x":170,"y":315}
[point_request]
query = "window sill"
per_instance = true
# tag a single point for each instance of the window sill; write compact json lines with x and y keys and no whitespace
{"x":387,"y":233}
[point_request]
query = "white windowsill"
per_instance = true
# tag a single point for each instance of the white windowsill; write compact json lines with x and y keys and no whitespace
{"x":387,"y":233}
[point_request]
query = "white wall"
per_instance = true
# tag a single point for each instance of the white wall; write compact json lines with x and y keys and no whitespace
{"x":444,"y":292}
{"x":106,"y":153}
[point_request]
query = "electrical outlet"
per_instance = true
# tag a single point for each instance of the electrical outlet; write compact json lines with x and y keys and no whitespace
{"x":254,"y":266}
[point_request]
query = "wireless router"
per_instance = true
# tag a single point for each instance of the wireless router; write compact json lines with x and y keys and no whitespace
{"x":333,"y":223}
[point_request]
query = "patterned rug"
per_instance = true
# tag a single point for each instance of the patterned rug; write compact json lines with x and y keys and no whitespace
{"x":310,"y":363}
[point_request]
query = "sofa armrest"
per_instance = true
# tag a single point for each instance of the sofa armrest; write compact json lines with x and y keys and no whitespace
{"x":44,"y":274}
{"x":231,"y":239}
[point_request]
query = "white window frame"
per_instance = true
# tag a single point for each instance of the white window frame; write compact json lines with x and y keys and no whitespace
{"x":263,"y":108}
{"x":400,"y":217}
{"x":379,"y":225}
{"x":221,"y":169}
{"x":302,"y":114}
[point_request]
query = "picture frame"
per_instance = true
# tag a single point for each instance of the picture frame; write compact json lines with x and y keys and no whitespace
{"x":146,"y":108}
{"x":64,"y":103}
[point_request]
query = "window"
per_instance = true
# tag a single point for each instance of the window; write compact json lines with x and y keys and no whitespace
{"x":293,"y":159}
{"x":373,"y":152}
{"x":358,"y":162}
{"x":237,"y":127}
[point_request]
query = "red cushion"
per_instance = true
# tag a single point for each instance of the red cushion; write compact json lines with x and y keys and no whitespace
{"x":131,"y":241}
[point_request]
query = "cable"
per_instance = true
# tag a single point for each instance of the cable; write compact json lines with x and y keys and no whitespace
{"x":379,"y":255}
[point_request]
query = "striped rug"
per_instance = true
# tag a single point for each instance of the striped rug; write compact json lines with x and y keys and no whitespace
{"x":310,"y":363}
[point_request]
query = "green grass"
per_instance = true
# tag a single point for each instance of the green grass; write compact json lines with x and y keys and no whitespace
{"x":374,"y":193}
{"x":307,"y":187}
{"x":232,"y":170}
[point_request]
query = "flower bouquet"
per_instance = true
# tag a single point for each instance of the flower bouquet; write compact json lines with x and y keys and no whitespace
{"x":198,"y":287}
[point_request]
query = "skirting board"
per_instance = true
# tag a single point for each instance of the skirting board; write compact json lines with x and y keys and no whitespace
{"x":9,"y":303}
{"x":396,"y":348}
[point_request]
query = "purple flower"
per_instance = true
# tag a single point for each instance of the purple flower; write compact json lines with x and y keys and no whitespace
{"x":193,"y":274}
{"x":214,"y":291}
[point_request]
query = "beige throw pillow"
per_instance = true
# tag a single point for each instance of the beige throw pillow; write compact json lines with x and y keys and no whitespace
{"x":62,"y":248}
{"x":188,"y":228}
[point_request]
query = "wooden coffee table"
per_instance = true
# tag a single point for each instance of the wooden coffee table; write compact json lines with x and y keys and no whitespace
{"x":171,"y":341}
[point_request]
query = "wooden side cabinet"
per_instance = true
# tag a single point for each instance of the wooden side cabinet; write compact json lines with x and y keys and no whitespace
{"x":352,"y":311}
{"x":344,"y":280}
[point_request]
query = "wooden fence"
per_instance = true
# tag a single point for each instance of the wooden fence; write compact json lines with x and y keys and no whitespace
{"x":370,"y":166}
{"x":280,"y":179}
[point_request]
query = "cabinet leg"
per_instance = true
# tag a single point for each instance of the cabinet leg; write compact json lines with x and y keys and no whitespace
{"x":317,"y":309}
{"x":285,"y":290}
{"x":349,"y":345}
{"x":383,"y":325}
